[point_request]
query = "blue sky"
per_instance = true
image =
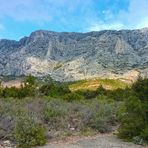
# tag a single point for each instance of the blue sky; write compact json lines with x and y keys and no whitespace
{"x":19,"y":18}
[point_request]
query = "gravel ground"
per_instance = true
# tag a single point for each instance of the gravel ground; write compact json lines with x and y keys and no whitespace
{"x":100,"y":141}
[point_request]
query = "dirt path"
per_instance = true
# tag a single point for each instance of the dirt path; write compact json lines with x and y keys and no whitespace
{"x":100,"y":141}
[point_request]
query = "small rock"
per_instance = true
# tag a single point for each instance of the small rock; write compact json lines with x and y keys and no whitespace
{"x":7,"y":144}
{"x":72,"y":129}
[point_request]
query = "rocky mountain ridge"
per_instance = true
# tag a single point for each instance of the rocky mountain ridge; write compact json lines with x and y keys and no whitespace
{"x":69,"y":56}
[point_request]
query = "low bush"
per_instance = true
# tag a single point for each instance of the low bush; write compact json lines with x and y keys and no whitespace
{"x":54,"y":89}
{"x":73,"y":97}
{"x":144,"y":133}
{"x":59,"y":116}
{"x":134,"y":115}
{"x":104,"y":117}
{"x":28,"y":133}
{"x":50,"y":114}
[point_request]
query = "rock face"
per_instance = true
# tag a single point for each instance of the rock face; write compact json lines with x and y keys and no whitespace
{"x":73,"y":56}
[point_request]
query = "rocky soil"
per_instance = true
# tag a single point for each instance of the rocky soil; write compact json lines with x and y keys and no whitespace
{"x":100,"y":141}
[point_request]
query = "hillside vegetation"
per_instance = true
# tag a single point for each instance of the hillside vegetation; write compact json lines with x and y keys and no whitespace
{"x":40,"y":110}
{"x":93,"y":84}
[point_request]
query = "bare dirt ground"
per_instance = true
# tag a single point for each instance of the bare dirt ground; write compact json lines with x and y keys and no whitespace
{"x":12,"y":83}
{"x":99,"y":141}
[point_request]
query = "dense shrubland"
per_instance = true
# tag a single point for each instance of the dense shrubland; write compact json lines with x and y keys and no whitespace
{"x":41,"y":110}
{"x":134,"y":114}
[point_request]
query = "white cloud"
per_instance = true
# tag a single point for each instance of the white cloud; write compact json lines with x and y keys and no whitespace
{"x":143,"y":23}
{"x":105,"y":26}
{"x":71,"y":13}
{"x":40,"y":10}
{"x":26,"y":10}
{"x":136,"y":16}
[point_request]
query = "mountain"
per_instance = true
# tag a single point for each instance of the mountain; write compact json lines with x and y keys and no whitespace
{"x":69,"y":56}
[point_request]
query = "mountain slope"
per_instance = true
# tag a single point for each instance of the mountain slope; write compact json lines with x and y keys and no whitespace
{"x":73,"y":56}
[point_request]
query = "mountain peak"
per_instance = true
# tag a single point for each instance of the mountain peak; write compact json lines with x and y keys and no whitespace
{"x":144,"y":29}
{"x":69,"y":56}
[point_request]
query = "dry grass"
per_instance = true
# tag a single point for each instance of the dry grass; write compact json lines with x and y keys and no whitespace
{"x":12,"y":83}
{"x":93,"y":84}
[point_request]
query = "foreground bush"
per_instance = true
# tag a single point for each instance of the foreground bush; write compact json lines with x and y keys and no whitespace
{"x":134,"y":116}
{"x":132,"y":121}
{"x":28,"y":133}
{"x":104,"y":118}
{"x":60,"y":117}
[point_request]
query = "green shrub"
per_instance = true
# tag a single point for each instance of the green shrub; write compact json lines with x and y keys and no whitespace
{"x":30,"y":81}
{"x":58,"y":115}
{"x":54,"y":89}
{"x":22,"y":92}
{"x":46,"y":88}
{"x":130,"y":128}
{"x":87,"y":94}
{"x":30,"y":85}
{"x":144,"y":133}
{"x":104,"y":117}
{"x":27,"y":89}
{"x":73,"y":97}
{"x":51,"y":113}
{"x":28,"y":133}
{"x":59,"y":90}
{"x":141,"y":89}
{"x":100,"y":90}
{"x":132,"y":121}
{"x":134,"y":114}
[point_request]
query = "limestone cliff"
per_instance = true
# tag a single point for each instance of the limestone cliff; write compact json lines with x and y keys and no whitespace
{"x":68,"y":56}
